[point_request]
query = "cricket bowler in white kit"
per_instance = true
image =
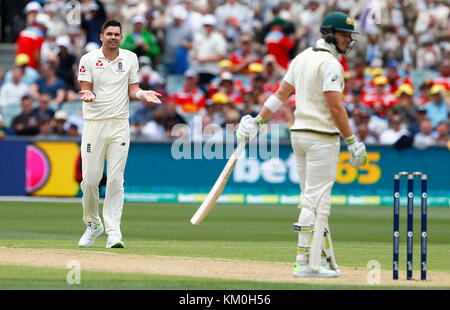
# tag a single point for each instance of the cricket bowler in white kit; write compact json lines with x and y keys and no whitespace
{"x":108,"y":77}
{"x":317,"y":77}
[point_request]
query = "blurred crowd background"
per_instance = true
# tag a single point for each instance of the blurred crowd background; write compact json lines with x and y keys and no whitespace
{"x":217,"y":60}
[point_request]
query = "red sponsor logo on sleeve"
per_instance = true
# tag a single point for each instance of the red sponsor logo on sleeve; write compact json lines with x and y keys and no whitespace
{"x":82,"y":69}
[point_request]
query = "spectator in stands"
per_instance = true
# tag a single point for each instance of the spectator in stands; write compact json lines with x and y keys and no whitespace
{"x":139,"y":40}
{"x":154,"y":129}
{"x":149,"y":78}
{"x":211,"y":110}
{"x":222,"y":105}
{"x":405,"y":52}
{"x":195,"y":15}
{"x":444,"y":74}
{"x":421,"y":114}
{"x":379,"y":98}
{"x":227,"y":86}
{"x":272,"y":71}
{"x":177,"y":42}
{"x":26,"y":123}
{"x":426,"y":137}
{"x":172,"y":117}
{"x":73,"y":131}
{"x":310,"y":20}
{"x":442,"y":131}
{"x":77,"y":41}
{"x":92,"y":20}
{"x":66,"y":62}
{"x":60,"y":119}
{"x":428,"y":55}
{"x":74,"y":120}
{"x":151,"y":16}
{"x":242,"y":57}
{"x":432,"y":19}
{"x":393,"y":76}
{"x":31,"y":38}
{"x":29,"y":75}
{"x":32,"y":9}
{"x":437,"y":108}
{"x":49,"y":49}
{"x":282,"y":10}
{"x":12,"y":92}
{"x":364,"y":134}
{"x":45,"y":129}
{"x":233,"y":18}
{"x":395,"y":131}
{"x":249,"y":104}
{"x":58,"y":19}
{"x":232,"y":118}
{"x":43,"y":111}
{"x":191,"y":99}
{"x":255,"y":69}
{"x":406,"y":106}
{"x":279,"y":44}
{"x":358,"y":76}
{"x":225,"y":65}
{"x":355,"y":118}
{"x":257,"y":87}
{"x":209,"y":48}
{"x":424,"y":96}
{"x":374,"y":48}
{"x":50,"y":83}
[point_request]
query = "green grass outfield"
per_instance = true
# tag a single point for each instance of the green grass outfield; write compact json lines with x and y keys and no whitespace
{"x":251,"y":232}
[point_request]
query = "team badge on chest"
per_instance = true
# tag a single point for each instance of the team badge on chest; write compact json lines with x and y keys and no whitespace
{"x":120,"y":67}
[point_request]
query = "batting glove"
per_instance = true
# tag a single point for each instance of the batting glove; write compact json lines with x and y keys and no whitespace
{"x":248,"y":127}
{"x":357,"y":150}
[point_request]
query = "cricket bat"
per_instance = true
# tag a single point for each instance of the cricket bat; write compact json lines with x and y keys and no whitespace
{"x":218,"y":187}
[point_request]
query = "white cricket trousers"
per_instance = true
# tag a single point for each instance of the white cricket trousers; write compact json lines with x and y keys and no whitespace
{"x":317,"y":158}
{"x":104,"y":140}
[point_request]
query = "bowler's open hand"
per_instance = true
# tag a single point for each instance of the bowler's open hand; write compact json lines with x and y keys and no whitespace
{"x":87,"y":95}
{"x":150,"y":96}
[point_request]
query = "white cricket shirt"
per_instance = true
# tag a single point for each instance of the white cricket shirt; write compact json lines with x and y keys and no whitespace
{"x":312,"y":73}
{"x":110,"y":80}
{"x":209,"y":46}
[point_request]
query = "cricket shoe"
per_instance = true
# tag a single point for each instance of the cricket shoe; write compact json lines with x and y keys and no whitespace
{"x":93,"y":230}
{"x":305,"y":271}
{"x":114,"y":242}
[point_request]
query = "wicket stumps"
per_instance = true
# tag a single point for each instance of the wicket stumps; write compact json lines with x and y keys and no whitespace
{"x":410,"y":220}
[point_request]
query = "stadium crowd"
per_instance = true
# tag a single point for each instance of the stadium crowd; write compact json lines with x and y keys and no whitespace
{"x":221,"y":59}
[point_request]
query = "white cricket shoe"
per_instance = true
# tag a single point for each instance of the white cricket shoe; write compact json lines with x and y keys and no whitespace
{"x":93,"y":230}
{"x":114,"y":242}
{"x":325,"y":271}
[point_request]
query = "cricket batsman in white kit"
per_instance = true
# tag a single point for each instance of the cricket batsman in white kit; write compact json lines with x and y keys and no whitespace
{"x":317,"y":77}
{"x":108,"y":77}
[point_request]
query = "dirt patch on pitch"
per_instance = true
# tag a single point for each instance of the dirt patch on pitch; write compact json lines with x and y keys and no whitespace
{"x":197,"y":267}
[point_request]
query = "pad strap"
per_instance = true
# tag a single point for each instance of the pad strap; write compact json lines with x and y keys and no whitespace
{"x":300,"y":228}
